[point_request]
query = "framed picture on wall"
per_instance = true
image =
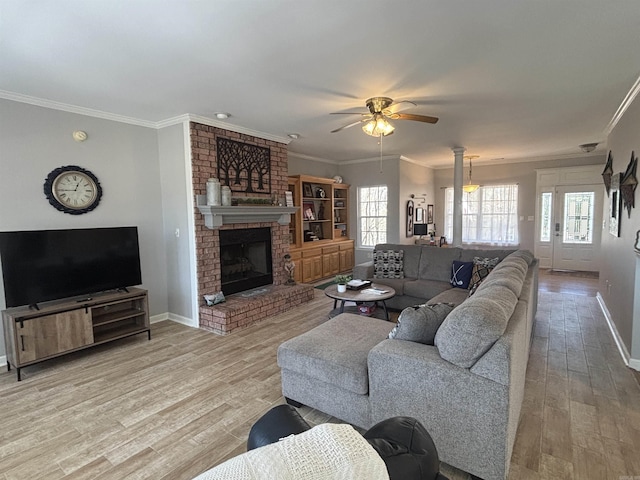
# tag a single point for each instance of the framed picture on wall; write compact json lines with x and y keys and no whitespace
{"x":419,"y":215}
{"x":429,"y":213}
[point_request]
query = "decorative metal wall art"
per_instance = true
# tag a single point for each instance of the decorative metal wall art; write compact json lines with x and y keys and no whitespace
{"x":410,"y":218}
{"x":244,"y":167}
{"x":615,"y":205}
{"x":628,"y":184}
{"x":607,"y":172}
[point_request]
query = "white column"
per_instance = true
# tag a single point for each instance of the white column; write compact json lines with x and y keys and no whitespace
{"x":458,"y":174}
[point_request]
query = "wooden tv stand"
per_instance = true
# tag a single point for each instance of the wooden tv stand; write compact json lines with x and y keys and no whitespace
{"x":63,"y":326}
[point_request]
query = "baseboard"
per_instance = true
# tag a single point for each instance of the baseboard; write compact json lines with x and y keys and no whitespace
{"x":624,"y":353}
{"x":174,"y":318}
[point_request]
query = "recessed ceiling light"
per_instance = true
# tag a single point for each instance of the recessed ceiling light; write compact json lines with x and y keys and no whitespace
{"x":295,"y":136}
{"x":222,"y":115}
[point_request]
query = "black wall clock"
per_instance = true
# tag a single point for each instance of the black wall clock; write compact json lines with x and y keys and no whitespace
{"x":72,"y":190}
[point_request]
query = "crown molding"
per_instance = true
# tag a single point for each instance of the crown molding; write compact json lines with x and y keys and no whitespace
{"x":541,"y":158}
{"x":235,"y":128}
{"x":65,"y":107}
{"x":372,"y":159}
{"x":311,"y":158}
{"x":626,"y":102}
{"x":90,"y":112}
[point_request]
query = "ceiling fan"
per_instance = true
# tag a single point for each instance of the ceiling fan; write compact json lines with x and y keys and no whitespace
{"x":381,"y":110}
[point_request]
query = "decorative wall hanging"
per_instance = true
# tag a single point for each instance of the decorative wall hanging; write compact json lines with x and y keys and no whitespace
{"x":429,"y":213}
{"x":615,"y":205}
{"x":410,"y":218}
{"x":72,"y":189}
{"x":628,"y":185}
{"x":607,"y":172}
{"x":419,"y":215}
{"x":636,"y":246}
{"x":244,"y":167}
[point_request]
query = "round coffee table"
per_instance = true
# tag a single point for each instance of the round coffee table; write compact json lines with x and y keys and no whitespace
{"x":359,"y":297}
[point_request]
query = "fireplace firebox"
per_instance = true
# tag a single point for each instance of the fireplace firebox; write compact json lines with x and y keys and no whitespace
{"x":245,"y":259}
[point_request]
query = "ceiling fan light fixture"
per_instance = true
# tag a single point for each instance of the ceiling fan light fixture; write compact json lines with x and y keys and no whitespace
{"x":377,"y":126}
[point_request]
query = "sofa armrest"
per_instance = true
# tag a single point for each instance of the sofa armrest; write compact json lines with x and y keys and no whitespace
{"x":363,"y":271}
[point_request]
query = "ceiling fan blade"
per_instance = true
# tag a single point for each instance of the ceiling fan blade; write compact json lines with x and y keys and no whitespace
{"x":350,"y":113}
{"x":417,"y":118}
{"x":347,"y":126}
{"x":399,"y":107}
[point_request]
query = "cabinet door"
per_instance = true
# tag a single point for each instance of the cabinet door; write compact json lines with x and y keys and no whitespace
{"x":346,"y":260}
{"x":51,"y":334}
{"x":317,"y":267}
{"x":307,"y":270}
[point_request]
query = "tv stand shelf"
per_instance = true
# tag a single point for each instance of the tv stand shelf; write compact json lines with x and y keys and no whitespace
{"x":64,"y":326}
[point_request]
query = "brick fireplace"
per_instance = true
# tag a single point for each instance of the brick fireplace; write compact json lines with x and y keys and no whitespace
{"x":239,"y":310}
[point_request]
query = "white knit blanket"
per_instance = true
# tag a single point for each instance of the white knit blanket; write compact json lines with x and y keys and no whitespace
{"x":326,"y":452}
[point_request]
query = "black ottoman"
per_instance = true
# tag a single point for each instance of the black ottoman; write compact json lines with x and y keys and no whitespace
{"x":402,"y":442}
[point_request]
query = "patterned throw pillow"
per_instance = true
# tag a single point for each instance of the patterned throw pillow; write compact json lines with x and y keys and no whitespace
{"x":420,"y":322}
{"x":461,"y":274}
{"x":481,"y":268}
{"x":388,"y":264}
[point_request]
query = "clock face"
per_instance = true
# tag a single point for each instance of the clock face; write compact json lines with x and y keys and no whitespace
{"x":73,"y":190}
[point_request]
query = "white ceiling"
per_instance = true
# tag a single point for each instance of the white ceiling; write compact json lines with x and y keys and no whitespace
{"x":509,"y":79}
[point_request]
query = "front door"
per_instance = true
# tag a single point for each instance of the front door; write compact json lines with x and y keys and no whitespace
{"x":574,"y":227}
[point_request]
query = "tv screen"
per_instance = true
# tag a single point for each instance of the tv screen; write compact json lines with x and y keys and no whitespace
{"x":43,"y":265}
{"x":420,"y":229}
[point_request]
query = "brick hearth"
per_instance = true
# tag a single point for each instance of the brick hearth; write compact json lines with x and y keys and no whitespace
{"x":239,"y":312}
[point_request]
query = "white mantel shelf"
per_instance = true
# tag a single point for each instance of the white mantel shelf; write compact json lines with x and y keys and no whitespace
{"x":217,"y":216}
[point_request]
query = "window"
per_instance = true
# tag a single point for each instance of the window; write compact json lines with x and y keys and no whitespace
{"x":489,"y":215}
{"x":546,"y":203}
{"x":372,"y":212}
{"x":578,"y":217}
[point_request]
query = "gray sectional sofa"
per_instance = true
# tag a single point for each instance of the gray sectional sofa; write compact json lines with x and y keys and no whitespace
{"x":466,"y":389}
{"x":427,"y":271}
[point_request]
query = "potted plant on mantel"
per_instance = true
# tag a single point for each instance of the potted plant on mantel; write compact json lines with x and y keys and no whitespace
{"x":342,"y":281}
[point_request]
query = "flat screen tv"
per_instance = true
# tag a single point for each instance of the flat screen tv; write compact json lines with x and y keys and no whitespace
{"x":43,"y":265}
{"x":420,"y":229}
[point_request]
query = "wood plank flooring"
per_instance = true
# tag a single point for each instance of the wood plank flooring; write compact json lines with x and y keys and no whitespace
{"x":175,"y":406}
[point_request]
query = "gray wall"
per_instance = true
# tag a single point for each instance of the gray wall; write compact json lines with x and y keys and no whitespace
{"x":36,"y":140}
{"x":617,"y":273}
{"x":366,"y":174}
{"x":303,"y":166}
{"x":522,"y":173}
{"x":176,"y":185}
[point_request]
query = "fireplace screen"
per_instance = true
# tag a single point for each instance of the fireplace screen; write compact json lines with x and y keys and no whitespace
{"x":245,"y":259}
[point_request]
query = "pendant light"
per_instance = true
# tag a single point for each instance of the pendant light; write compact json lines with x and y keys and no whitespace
{"x":470,"y":187}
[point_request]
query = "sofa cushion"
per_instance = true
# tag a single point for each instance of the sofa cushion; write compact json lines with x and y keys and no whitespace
{"x":435,"y":263}
{"x":467,"y":254}
{"x":482,"y":267}
{"x":420,"y":323}
{"x":336,"y":351}
{"x":461,"y":274}
{"x":388,"y":263}
{"x":454,"y":296}
{"x":425,"y":289}
{"x":474,"y":326}
{"x":412,"y":255}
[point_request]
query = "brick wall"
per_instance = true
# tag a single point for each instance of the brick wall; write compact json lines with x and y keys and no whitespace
{"x":204,"y":166}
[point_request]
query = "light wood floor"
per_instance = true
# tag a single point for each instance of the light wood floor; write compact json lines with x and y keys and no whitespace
{"x":183,"y":402}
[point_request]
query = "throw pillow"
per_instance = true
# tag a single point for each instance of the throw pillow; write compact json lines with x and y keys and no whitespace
{"x":481,"y":268}
{"x":461,"y":274}
{"x":388,"y":264}
{"x":420,"y":322}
